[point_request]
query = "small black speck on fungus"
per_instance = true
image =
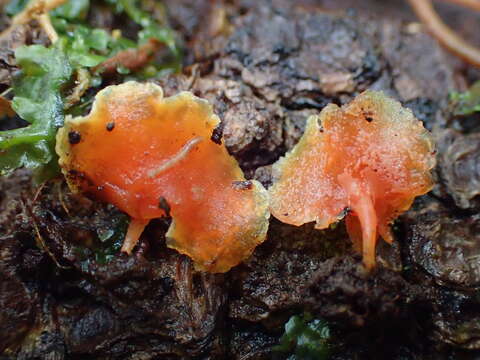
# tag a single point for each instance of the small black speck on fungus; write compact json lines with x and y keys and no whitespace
{"x":74,"y":137}
{"x":217,"y":134}
{"x":110,"y":126}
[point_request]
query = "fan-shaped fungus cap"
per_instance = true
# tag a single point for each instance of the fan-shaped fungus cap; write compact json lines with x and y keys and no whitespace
{"x":368,"y":159}
{"x":153,"y":156}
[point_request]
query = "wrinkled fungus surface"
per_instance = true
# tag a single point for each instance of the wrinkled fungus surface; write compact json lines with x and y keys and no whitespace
{"x":152,"y":157}
{"x":367,"y":160}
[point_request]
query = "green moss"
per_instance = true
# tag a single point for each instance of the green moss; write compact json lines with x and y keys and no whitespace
{"x":46,"y":79}
{"x":468,"y":102}
{"x":38,"y":100}
{"x":305,"y":338}
{"x":110,"y":238}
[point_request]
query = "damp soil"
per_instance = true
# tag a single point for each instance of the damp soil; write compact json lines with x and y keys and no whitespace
{"x":67,"y":293}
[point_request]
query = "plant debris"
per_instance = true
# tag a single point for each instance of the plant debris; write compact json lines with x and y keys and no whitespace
{"x":6,"y":108}
{"x":468,"y":102}
{"x":38,"y":100}
{"x":44,"y":91}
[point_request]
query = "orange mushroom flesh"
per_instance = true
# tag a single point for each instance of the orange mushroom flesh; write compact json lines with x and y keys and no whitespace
{"x":152,"y":157}
{"x":368,"y":160}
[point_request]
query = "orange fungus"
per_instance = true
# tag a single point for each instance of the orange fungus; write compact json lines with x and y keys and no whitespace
{"x":368,"y":159}
{"x":152,"y":157}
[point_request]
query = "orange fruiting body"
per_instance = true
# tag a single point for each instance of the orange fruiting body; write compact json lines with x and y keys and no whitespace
{"x":368,"y":159}
{"x":153,"y":156}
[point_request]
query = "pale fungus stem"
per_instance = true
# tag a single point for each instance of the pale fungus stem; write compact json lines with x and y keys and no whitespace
{"x":175,"y":159}
{"x":135,"y":229}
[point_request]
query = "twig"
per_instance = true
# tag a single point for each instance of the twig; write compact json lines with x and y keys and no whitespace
{"x":6,"y":108}
{"x":39,"y":238}
{"x":6,"y":92}
{"x":132,"y":59}
{"x":38,"y":192}
{"x":36,"y":9}
{"x":471,"y":4}
{"x":60,"y":198}
{"x":446,"y":36}
{"x":42,"y":245}
{"x":46,"y":24}
{"x":82,"y":84}
{"x":193,"y":77}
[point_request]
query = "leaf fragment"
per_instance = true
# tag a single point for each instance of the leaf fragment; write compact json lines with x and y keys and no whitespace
{"x":38,"y":100}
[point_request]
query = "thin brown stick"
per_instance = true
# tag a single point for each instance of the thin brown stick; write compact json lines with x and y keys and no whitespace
{"x":132,"y":59}
{"x":6,"y":108}
{"x":38,"y":192}
{"x":34,"y":9}
{"x":39,"y":238}
{"x":446,"y":36}
{"x":82,"y":84}
{"x":42,"y":245}
{"x":46,"y":24}
{"x":60,"y":198}
{"x":471,"y":4}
